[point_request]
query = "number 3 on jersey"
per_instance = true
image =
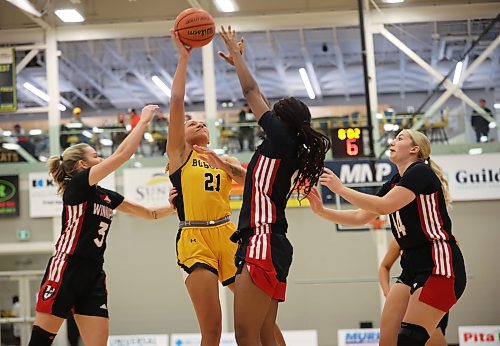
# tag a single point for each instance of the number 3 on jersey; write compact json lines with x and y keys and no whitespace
{"x":400,"y":228}
{"x":103,"y":227}
{"x":209,"y":182}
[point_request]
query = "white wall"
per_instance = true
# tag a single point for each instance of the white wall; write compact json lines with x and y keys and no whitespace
{"x":147,"y":295}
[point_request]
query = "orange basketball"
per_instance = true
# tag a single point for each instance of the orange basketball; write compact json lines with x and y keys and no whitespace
{"x":195,"y":27}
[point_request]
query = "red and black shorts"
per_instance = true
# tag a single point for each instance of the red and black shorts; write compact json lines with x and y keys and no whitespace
{"x":439,"y":291}
{"x":267,"y":253}
{"x":73,"y":284}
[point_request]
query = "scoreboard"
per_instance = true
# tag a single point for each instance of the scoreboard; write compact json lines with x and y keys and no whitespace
{"x":8,"y":100}
{"x":350,"y":142}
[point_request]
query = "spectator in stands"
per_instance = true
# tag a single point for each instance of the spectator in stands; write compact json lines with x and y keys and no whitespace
{"x":134,"y":118}
{"x":480,"y":124}
{"x":16,"y":312}
{"x":23,"y":140}
{"x":246,"y":132}
{"x":120,"y":128}
{"x":159,"y":128}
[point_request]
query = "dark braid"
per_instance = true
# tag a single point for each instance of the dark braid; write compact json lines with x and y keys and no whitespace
{"x":313,"y":145}
{"x":311,"y":156}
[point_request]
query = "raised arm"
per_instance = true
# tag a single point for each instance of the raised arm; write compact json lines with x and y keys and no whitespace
{"x":126,"y":149}
{"x":249,"y":86}
{"x":394,"y":200}
{"x":176,"y":143}
{"x":384,"y":270}
{"x":343,"y":217}
{"x":138,"y":210}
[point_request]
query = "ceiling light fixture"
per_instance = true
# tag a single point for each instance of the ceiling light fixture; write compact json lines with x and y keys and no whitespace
{"x":458,"y":72}
{"x":307,"y":83}
{"x":26,"y":6}
{"x":393,"y":1}
{"x":226,"y":5}
{"x":35,"y":91}
{"x":163,"y":87}
{"x":69,"y":16}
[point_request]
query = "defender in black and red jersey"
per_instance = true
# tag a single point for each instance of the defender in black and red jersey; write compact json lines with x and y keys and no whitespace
{"x":74,"y":281}
{"x":417,"y":201}
{"x":264,"y":255}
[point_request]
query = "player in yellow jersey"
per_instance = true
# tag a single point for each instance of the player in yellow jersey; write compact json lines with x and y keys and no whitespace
{"x":202,"y":181}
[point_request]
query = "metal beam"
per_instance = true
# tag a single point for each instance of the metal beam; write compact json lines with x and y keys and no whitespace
{"x":309,"y":65}
{"x":85,"y":76}
{"x":117,"y":80}
{"x":25,"y":61}
{"x":339,"y":58}
{"x":30,"y":110}
{"x":160,"y":96}
{"x":452,"y":89}
{"x":404,"y":14}
{"x":164,"y":73}
{"x":278,"y":62}
{"x":402,"y":74}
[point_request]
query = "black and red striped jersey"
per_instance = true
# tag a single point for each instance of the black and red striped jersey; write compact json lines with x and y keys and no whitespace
{"x":269,"y":175}
{"x":425,"y":221}
{"x":86,"y":217}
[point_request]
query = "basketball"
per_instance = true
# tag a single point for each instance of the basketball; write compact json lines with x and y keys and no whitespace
{"x":195,"y":27}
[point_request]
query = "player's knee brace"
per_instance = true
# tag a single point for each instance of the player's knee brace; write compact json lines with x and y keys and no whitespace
{"x":412,"y":335}
{"x":41,"y":337}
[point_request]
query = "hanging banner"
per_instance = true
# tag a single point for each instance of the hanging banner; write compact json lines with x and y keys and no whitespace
{"x":138,"y":340}
{"x":44,"y":200}
{"x":9,"y":195}
{"x":147,"y":186}
{"x":479,"y":335}
{"x":471,"y":177}
{"x":8,"y":99}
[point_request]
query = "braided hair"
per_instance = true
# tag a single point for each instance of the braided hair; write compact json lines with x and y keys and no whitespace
{"x":313,"y":145}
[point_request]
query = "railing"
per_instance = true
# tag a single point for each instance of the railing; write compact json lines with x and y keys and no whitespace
{"x":27,"y":302}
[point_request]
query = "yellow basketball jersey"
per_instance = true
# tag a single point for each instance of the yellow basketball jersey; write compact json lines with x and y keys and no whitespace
{"x":203,"y":191}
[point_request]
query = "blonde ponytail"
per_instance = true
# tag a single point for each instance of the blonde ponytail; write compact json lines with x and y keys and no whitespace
{"x":444,"y":183}
{"x":63,"y":167}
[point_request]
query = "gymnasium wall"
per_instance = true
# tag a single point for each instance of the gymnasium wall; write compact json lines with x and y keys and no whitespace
{"x":147,"y":295}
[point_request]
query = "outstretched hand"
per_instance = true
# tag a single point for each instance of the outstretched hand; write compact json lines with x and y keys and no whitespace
{"x":209,"y":156}
{"x":315,"y":201}
{"x":330,"y":180}
{"x":148,"y":113}
{"x":233,"y":46}
{"x":184,"y":51}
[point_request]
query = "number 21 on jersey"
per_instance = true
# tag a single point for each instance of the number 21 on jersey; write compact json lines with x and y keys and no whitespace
{"x":210,"y":184}
{"x":398,"y":224}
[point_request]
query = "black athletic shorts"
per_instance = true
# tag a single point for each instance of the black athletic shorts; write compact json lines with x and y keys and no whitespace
{"x":73,"y":284}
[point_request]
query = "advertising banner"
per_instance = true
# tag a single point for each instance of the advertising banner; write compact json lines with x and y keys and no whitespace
{"x":472,"y":177}
{"x":479,"y":335}
{"x":138,"y":340}
{"x":292,"y":338}
{"x":359,"y":337}
{"x":9,"y":195}
{"x":147,"y":186}
{"x":44,"y":201}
